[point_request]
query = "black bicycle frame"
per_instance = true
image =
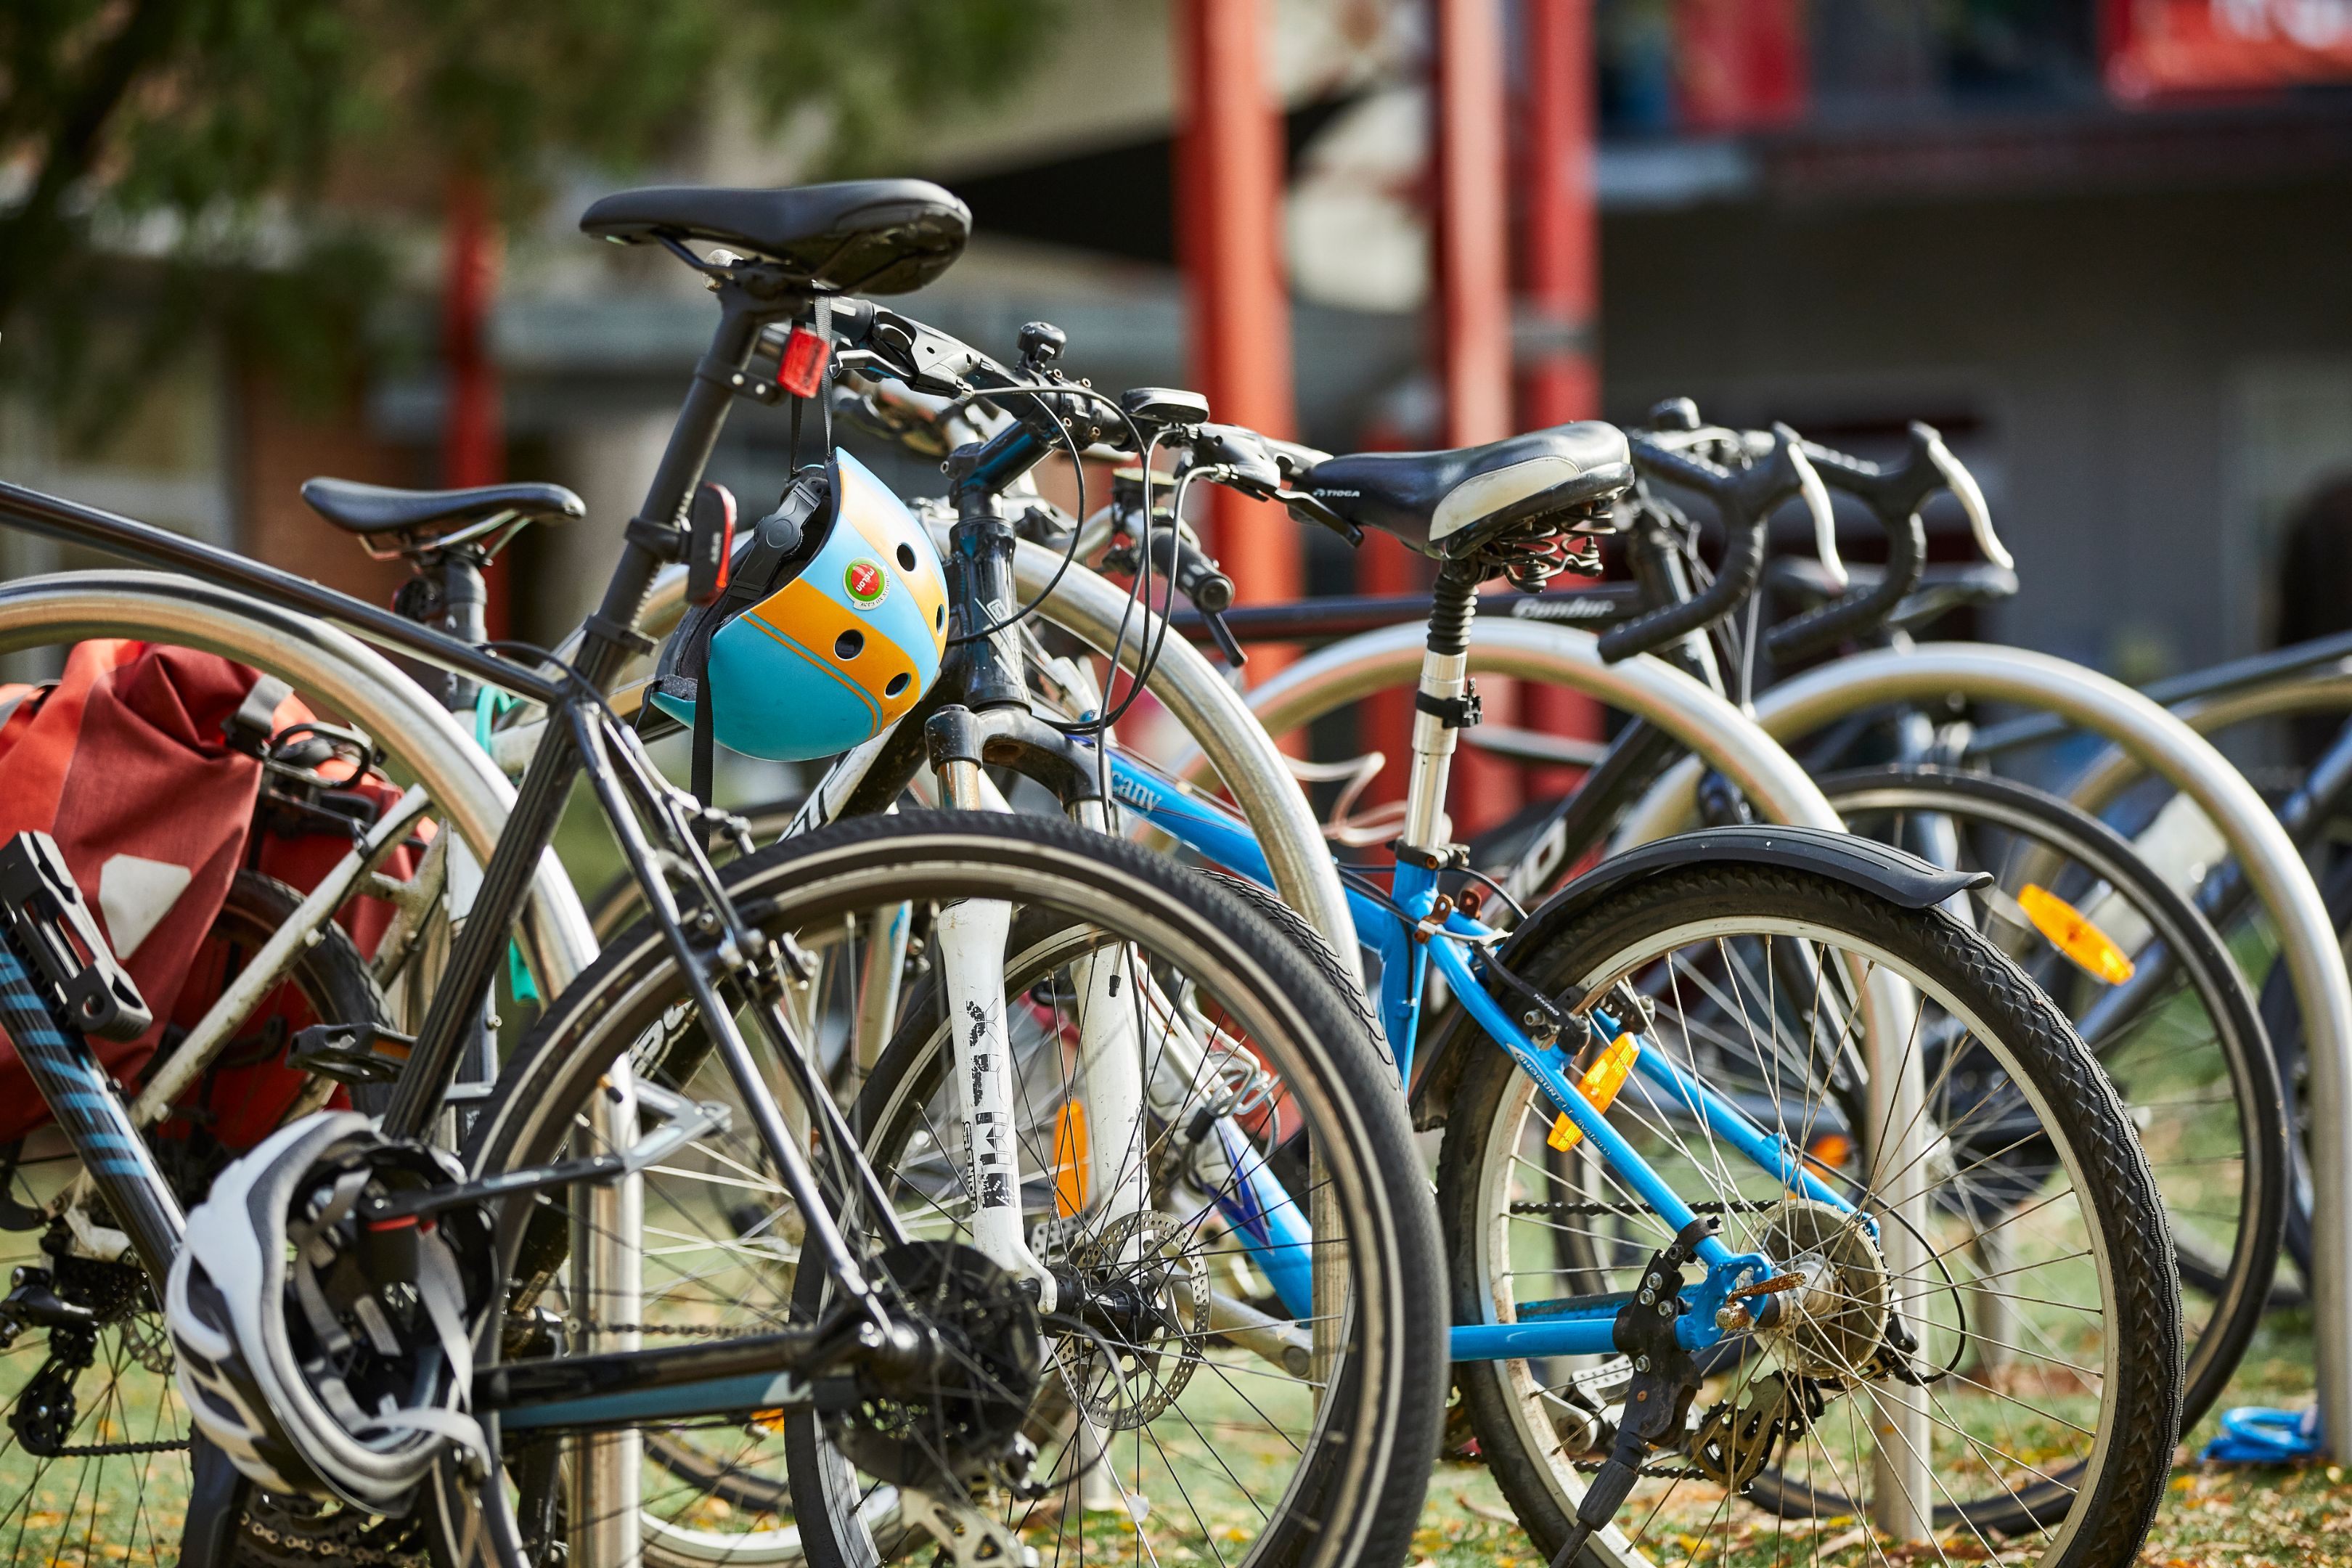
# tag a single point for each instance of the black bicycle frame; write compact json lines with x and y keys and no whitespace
{"x":575,"y":740}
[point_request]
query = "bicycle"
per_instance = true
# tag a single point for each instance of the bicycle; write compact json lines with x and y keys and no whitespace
{"x":707,"y":941}
{"x":1562,"y":997}
{"x":2180,"y":1035}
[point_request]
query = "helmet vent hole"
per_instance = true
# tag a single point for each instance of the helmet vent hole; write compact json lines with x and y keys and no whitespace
{"x":940,"y":617}
{"x":897,"y":684}
{"x":906,"y":558}
{"x":849,"y":644}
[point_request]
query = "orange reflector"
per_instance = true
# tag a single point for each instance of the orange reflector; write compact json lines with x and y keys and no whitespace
{"x":1829,"y":1153}
{"x":1599,"y":1085}
{"x":2071,"y":935}
{"x":1070,"y":1159}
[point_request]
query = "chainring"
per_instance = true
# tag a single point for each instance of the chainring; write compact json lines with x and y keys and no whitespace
{"x":964,"y":1411}
{"x":1736,"y":1441}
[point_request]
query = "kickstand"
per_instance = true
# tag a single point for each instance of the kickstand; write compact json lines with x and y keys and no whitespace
{"x":215,"y":1508}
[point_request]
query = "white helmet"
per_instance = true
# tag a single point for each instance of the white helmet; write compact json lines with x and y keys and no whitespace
{"x":327,"y":1353}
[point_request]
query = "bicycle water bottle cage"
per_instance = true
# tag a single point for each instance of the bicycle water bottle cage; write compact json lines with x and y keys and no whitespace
{"x":831,"y":625}
{"x":1511,"y":505}
{"x":872,"y":237}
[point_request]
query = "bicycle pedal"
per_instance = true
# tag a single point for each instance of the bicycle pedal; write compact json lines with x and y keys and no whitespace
{"x":83,"y":984}
{"x":350,"y":1053}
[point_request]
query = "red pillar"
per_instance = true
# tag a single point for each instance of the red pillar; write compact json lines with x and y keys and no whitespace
{"x":1474,"y":313}
{"x":1473,"y":338}
{"x":1559,"y":278}
{"x":1228,"y":181}
{"x":473,"y":435}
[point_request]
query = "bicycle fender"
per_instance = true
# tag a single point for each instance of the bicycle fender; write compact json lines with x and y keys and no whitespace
{"x":1895,"y":875}
{"x":1900,"y":878}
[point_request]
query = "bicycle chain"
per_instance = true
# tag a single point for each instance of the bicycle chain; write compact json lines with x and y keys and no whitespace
{"x":115,"y":1450}
{"x":677,"y":1331}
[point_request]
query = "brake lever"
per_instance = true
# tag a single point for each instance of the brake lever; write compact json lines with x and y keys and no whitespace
{"x":1816,"y":496}
{"x":1965,"y":489}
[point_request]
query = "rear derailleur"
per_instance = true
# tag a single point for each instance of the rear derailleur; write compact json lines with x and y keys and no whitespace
{"x":70,"y":1301}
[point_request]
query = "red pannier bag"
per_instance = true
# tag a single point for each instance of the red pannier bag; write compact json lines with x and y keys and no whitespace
{"x":129,"y":762}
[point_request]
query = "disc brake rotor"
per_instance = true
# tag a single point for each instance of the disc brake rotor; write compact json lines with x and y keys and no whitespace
{"x":1147,"y":1301}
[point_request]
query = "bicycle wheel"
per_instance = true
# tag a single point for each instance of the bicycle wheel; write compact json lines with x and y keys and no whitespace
{"x":2041,"y":1331}
{"x":93,"y":1436}
{"x":722,"y":1244}
{"x":2174,"y":1024}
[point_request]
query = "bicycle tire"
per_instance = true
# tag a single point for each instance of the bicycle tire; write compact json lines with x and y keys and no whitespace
{"x":1365,"y":1504}
{"x":2238,"y":1281}
{"x":2109,"y":1506}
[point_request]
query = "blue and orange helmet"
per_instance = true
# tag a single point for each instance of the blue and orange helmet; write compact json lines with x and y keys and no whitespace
{"x":842,"y":637}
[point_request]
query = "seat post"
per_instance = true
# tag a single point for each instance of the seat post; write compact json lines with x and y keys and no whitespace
{"x":1445,"y":702}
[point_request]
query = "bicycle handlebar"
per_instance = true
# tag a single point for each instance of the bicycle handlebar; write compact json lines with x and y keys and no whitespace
{"x":1745,"y":499}
{"x":1894,"y":495}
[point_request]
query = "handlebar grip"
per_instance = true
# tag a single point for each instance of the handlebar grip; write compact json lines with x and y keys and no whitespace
{"x":1195,"y":573}
{"x":1746,"y":499}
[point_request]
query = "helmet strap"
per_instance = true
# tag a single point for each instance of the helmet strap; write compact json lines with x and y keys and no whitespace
{"x":699,"y":775}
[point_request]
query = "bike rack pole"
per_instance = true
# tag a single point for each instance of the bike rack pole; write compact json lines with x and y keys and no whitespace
{"x":2113,"y":771}
{"x":469,"y":794}
{"x":1237,"y":747}
{"x":2174,"y":753}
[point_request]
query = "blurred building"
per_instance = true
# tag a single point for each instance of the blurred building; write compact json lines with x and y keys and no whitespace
{"x":2100,"y":243}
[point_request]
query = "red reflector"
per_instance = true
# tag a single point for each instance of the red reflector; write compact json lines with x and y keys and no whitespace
{"x":804,"y":362}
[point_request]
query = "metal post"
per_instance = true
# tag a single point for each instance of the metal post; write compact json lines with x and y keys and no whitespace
{"x":1646,"y":688}
{"x":1901,"y":1494}
{"x":608,"y":1302}
{"x":2168,"y":748}
{"x":1229,"y":184}
{"x":1560,"y":282}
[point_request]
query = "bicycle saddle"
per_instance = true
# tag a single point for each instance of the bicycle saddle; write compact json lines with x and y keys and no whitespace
{"x":1449,"y":504}
{"x":371,"y":512}
{"x":869,"y":237}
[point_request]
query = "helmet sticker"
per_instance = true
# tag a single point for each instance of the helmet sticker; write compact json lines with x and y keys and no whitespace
{"x":865,"y":582}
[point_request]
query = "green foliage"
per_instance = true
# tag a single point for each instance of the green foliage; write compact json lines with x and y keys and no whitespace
{"x":248,"y":145}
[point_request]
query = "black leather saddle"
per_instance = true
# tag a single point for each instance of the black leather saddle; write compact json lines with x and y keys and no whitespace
{"x":1451,"y":504}
{"x":865,"y":236}
{"x":379,"y":516}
